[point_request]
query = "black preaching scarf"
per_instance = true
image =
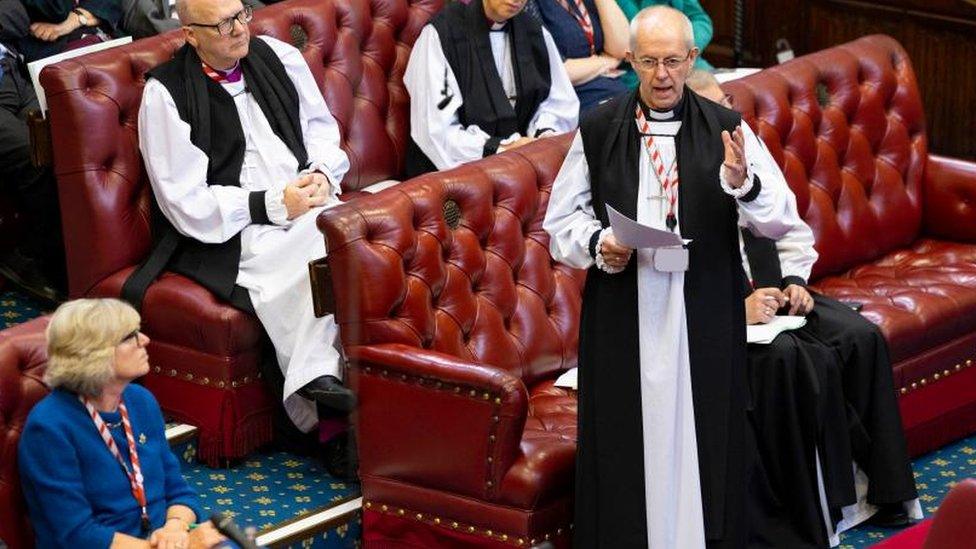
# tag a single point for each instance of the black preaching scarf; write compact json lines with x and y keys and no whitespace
{"x":464,"y":33}
{"x":610,"y":490}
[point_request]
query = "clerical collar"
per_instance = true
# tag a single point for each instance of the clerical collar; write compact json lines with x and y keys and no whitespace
{"x":662,"y":116}
{"x":230,"y":75}
{"x":495,"y":26}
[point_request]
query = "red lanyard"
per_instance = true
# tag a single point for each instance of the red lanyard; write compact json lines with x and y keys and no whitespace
{"x":583,"y":18}
{"x":135,"y":473}
{"x":669,"y":186}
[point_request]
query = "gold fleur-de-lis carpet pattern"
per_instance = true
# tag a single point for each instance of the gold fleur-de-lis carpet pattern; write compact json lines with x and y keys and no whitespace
{"x":276,"y":487}
{"x":271,"y":488}
{"x":16,"y":307}
{"x":935,"y":474}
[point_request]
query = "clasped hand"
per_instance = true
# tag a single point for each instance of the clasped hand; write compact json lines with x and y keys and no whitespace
{"x":762,"y":304}
{"x":203,"y":536}
{"x":306,"y":192}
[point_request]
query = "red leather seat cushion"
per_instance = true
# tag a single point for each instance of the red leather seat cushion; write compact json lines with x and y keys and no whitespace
{"x":180,"y":312}
{"x":544,"y":470}
{"x":920,"y":296}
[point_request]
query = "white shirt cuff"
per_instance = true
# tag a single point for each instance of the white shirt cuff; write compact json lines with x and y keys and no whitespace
{"x":600,"y":262}
{"x":741,"y":191}
{"x":274,"y":203}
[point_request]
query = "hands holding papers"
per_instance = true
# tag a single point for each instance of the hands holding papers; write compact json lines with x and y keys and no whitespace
{"x":670,"y":255}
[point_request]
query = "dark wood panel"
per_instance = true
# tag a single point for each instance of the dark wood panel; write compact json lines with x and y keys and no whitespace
{"x":939,"y":35}
{"x":943,"y":53}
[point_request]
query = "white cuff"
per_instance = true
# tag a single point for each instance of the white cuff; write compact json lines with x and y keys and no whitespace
{"x":741,"y":191}
{"x":600,"y":262}
{"x":274,"y":204}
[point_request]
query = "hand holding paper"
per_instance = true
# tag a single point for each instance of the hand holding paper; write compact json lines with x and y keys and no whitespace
{"x":635,"y":235}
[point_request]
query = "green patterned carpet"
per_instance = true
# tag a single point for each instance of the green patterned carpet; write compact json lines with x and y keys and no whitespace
{"x":16,"y":307}
{"x":270,"y":488}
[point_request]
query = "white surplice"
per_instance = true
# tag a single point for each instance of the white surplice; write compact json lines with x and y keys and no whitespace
{"x":274,"y":258}
{"x":672,"y":488}
{"x":438,"y":131}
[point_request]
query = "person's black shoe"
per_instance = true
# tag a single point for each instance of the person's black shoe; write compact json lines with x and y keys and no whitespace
{"x":340,"y":458}
{"x":329,"y":391}
{"x":891,"y":515}
{"x":25,"y":272}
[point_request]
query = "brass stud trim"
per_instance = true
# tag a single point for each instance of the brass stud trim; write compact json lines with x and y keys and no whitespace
{"x":470,"y":528}
{"x":937,"y":376}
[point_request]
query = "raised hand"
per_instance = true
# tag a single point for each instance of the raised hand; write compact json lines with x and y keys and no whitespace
{"x":734,"y":166}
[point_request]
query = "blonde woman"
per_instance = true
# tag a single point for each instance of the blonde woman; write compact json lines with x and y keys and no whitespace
{"x":95,"y":466}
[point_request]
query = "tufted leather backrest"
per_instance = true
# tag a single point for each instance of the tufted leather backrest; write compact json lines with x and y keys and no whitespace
{"x":487,"y":290}
{"x":357,"y":50}
{"x":23,"y":355}
{"x":846,"y":126}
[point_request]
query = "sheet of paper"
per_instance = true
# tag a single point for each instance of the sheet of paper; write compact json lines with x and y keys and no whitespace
{"x":34,"y":68}
{"x":635,"y":235}
{"x":766,"y":333}
{"x":567,"y":379}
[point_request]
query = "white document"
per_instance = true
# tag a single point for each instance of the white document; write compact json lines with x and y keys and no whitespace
{"x":35,"y":68}
{"x":635,"y":235}
{"x":727,"y":75}
{"x":567,"y":379}
{"x":764,"y":334}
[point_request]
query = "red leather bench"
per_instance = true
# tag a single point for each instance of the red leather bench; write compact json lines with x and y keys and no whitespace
{"x":205,"y":353}
{"x":455,"y":334}
{"x":895,"y":226}
{"x":23,"y":356}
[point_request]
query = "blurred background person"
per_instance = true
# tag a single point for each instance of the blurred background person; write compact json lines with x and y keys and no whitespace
{"x":592,"y":39}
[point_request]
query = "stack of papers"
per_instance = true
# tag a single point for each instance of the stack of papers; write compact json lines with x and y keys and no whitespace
{"x":766,"y":333}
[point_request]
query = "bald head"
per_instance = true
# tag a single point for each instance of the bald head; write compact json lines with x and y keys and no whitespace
{"x":662,"y":20}
{"x":183,"y":8}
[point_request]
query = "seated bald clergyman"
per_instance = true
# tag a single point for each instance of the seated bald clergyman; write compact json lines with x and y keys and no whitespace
{"x":242,"y":153}
{"x":483,"y":77}
{"x":854,"y":376}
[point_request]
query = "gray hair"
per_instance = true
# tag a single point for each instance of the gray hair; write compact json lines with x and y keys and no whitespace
{"x":700,"y":79}
{"x":81,"y":341}
{"x":656,"y":17}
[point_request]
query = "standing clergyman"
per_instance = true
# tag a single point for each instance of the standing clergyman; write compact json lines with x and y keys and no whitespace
{"x":665,"y":453}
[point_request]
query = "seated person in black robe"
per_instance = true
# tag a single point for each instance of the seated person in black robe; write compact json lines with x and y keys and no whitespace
{"x":803,"y":397}
{"x":483,"y":77}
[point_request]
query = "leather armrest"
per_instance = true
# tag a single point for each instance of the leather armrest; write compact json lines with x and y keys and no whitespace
{"x":950,"y":198}
{"x":436,"y":420}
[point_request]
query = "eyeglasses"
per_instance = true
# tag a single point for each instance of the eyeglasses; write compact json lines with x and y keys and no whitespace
{"x":226,"y":26}
{"x":651,"y":63}
{"x":131,"y":336}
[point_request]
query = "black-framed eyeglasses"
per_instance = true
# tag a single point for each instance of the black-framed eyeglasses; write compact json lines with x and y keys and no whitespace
{"x":226,"y":26}
{"x":651,"y":63}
